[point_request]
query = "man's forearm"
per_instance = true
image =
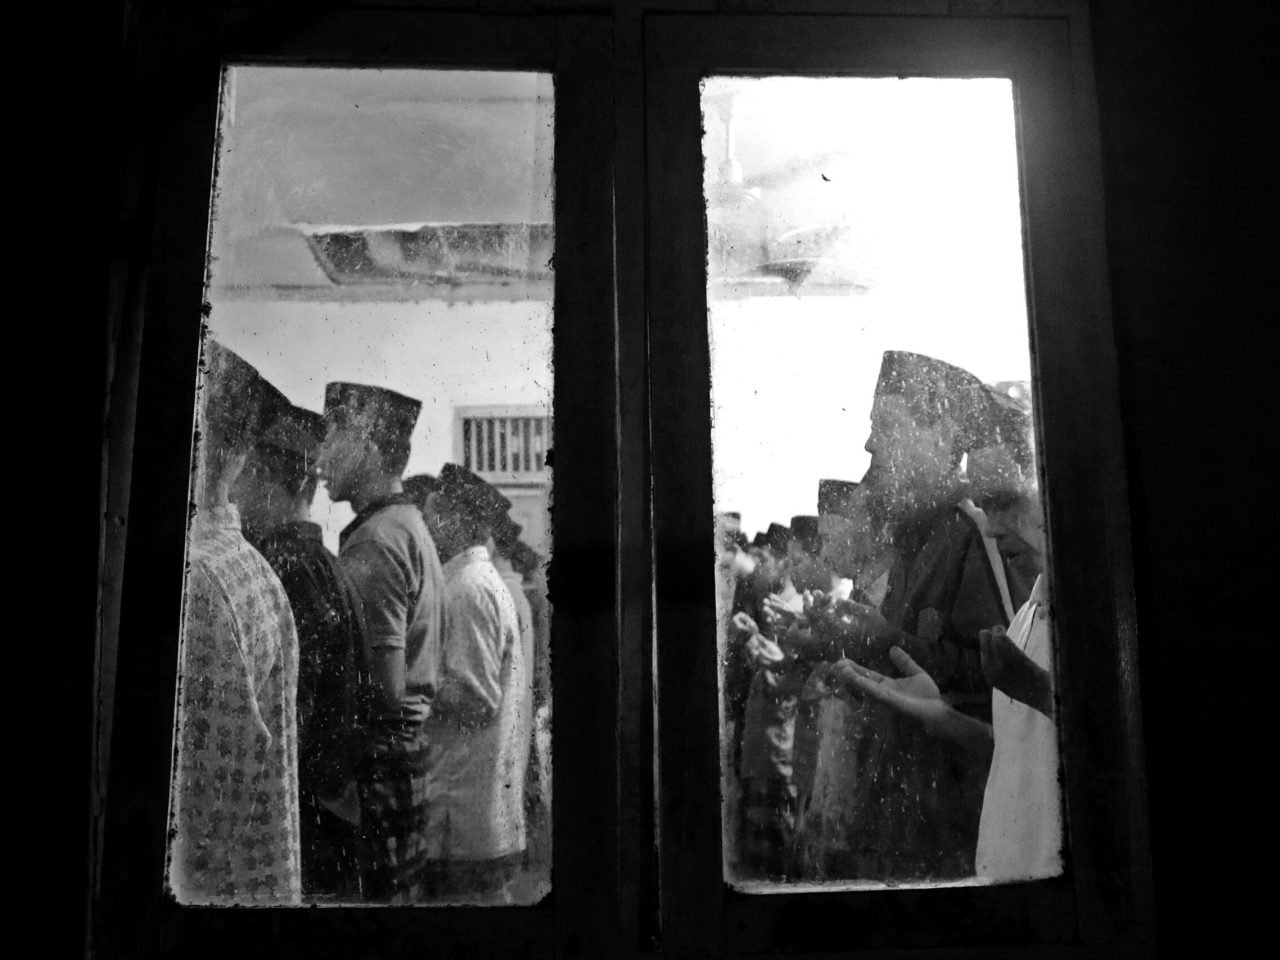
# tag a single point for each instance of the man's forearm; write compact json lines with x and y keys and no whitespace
{"x":1036,"y":690}
{"x":974,"y":735}
{"x":386,"y":671}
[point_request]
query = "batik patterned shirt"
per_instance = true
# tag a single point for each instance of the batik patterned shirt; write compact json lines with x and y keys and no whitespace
{"x":235,"y":794}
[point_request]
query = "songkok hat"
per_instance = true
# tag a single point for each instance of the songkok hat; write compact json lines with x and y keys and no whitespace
{"x":779,"y":538}
{"x":524,"y":557}
{"x":506,"y":531}
{"x":761,"y":539}
{"x":290,"y":443}
{"x":1010,"y":410}
{"x":479,"y":499}
{"x":836,"y":496}
{"x":993,"y":473}
{"x":936,"y":391}
{"x":237,"y":401}
{"x":419,"y":487}
{"x":390,"y":416}
{"x":805,"y":529}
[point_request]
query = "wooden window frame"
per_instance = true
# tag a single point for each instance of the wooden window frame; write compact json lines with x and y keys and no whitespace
{"x":172,"y":128}
{"x":626,"y":554}
{"x":1103,"y":897}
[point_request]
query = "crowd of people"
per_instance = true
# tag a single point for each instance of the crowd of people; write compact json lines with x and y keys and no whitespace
{"x":375,"y":725}
{"x":886,"y":663}
{"x":371,"y":726}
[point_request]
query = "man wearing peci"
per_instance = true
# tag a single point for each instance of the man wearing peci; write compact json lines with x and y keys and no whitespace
{"x":274,"y":495}
{"x":394,"y":568}
{"x":234,"y":800}
{"x":480,"y":730}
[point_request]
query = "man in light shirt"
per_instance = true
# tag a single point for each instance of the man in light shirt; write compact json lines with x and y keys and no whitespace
{"x":480,"y":727}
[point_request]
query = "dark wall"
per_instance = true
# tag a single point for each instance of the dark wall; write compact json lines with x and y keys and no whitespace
{"x":1181,"y":90}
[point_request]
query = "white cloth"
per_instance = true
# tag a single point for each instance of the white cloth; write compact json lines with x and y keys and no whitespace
{"x":1020,"y":833}
{"x":993,"y":554}
{"x":478,"y":734}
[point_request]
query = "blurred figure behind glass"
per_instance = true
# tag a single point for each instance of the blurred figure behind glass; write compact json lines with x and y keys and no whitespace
{"x":274,"y":495}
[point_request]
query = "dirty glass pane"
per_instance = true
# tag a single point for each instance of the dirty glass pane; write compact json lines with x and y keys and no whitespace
{"x":886,"y":676}
{"x":364,"y":706}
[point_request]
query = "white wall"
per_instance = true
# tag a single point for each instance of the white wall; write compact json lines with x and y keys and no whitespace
{"x":923,"y":173}
{"x":793,"y":377}
{"x":444,"y":354}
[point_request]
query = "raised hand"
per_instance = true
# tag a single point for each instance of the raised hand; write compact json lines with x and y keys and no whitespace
{"x":1012,"y":672}
{"x":743,"y":626}
{"x":763,"y":652}
{"x":915,"y":695}
{"x":783,"y":615}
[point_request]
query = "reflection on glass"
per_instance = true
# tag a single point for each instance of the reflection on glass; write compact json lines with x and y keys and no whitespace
{"x":886,"y":681}
{"x":364,"y":699}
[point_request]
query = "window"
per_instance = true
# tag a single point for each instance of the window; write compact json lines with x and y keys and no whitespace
{"x":505,"y":444}
{"x":637,"y":820}
{"x":337,"y":380}
{"x":684,"y":55}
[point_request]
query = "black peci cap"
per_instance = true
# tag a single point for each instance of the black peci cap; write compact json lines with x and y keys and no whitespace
{"x":936,"y":390}
{"x":389,"y":413}
{"x":836,"y":496}
{"x":290,"y":444}
{"x":480,"y":499}
{"x":804,"y":527}
{"x":779,"y":538}
{"x":419,"y":487}
{"x":238,"y":403}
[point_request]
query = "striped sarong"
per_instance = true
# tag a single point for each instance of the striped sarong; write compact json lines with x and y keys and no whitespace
{"x":392,"y":779}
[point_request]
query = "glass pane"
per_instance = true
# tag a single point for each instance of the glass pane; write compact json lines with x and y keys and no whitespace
{"x":364,"y":706}
{"x":886,"y":673}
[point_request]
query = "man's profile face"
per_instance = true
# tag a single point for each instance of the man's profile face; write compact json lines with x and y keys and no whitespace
{"x":1016,"y":523}
{"x":347,"y":456}
{"x":767,"y":571}
{"x":910,"y":462}
{"x":1014,"y":514}
{"x":259,"y":495}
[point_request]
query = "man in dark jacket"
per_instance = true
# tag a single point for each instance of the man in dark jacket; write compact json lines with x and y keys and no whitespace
{"x":274,"y":494}
{"x":918,"y":802}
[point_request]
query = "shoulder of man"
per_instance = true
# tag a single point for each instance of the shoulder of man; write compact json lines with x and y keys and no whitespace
{"x":482,"y":579}
{"x":398,"y":528}
{"x":391,"y":521}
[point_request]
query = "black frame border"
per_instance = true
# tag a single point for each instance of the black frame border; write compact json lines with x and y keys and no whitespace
{"x":1103,"y":899}
{"x":169,"y":139}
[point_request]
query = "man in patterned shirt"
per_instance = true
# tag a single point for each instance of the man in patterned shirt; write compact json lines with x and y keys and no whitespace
{"x":395,"y":571}
{"x":234,"y":801}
